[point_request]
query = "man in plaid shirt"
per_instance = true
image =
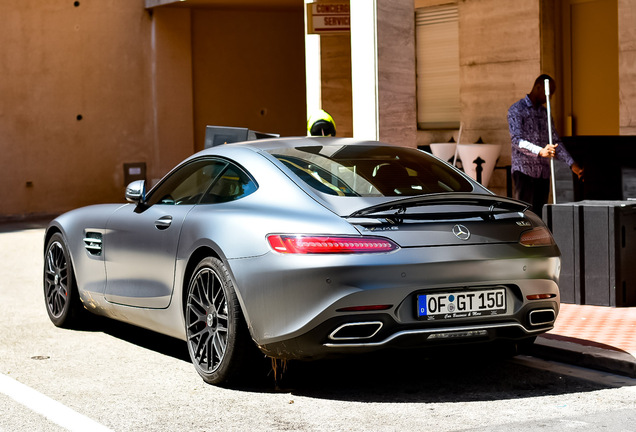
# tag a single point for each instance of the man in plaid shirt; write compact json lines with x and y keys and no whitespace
{"x":531,"y":151}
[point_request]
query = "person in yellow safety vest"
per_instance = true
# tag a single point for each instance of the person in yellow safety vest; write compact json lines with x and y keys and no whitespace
{"x":321,"y":123}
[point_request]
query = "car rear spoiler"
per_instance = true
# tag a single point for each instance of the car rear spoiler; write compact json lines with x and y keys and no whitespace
{"x":446,"y":198}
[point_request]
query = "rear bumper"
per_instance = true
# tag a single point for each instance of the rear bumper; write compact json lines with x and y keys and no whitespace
{"x":293,"y":303}
{"x":359,"y":333}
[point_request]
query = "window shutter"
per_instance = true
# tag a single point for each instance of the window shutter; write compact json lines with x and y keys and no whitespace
{"x":437,"y":42}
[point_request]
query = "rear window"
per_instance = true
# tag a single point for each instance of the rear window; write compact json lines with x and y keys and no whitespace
{"x":371,"y":171}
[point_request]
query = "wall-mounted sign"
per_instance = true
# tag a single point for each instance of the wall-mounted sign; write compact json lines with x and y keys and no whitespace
{"x":328,"y":17}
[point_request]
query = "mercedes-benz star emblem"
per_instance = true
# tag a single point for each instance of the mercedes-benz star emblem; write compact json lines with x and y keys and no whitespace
{"x":461,"y":232}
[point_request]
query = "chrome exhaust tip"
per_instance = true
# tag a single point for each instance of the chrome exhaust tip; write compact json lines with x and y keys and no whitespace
{"x":356,"y":331}
{"x":542,"y":317}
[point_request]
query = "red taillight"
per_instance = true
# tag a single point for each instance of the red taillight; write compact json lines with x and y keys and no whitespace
{"x":539,"y":236}
{"x":540,"y":296}
{"x":300,"y":244}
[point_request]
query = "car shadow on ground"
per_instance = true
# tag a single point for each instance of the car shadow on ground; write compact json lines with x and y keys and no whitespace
{"x":455,"y":375}
{"x":139,"y":336}
{"x":461,"y":375}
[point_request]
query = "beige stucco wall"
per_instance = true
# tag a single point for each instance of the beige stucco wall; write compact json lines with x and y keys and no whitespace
{"x":132,"y":77}
{"x":59,"y":62}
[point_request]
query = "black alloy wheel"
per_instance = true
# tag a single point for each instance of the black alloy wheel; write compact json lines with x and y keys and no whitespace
{"x":63,"y":304}
{"x":217,"y":337}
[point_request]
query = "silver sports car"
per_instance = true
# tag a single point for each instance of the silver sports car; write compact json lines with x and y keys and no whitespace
{"x":307,"y":247}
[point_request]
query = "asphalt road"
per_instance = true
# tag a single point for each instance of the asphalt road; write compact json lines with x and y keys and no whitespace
{"x":114,"y":376}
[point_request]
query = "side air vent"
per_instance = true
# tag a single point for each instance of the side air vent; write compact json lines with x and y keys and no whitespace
{"x":93,"y":243}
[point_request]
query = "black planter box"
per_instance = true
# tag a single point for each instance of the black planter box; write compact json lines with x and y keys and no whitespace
{"x":597,"y":240}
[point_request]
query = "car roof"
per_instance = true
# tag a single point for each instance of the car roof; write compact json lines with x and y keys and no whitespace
{"x":292,"y":142}
{"x":341,"y":205}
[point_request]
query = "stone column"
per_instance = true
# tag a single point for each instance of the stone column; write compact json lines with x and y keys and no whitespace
{"x":383,"y":70}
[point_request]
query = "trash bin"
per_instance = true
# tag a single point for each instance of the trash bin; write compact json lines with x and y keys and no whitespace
{"x":596,"y":239}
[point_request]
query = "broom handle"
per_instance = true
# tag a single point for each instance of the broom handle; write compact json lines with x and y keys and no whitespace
{"x":552,"y":178}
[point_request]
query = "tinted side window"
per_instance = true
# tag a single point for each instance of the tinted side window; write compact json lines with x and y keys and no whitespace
{"x":231,"y":185}
{"x":188,"y":184}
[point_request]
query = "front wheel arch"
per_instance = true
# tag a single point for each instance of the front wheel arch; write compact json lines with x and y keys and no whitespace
{"x":49,"y":233}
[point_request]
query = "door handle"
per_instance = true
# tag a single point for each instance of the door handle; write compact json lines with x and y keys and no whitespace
{"x":163,"y":222}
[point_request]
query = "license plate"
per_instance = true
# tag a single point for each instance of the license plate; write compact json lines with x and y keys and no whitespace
{"x":461,"y":304}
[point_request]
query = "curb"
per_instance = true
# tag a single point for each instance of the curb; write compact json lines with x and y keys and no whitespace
{"x":592,"y":357}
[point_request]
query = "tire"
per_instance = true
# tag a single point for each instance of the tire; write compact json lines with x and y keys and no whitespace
{"x":63,"y":304}
{"x":219,"y":342}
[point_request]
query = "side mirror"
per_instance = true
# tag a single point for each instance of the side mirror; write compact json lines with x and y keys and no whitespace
{"x":136,"y":191}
